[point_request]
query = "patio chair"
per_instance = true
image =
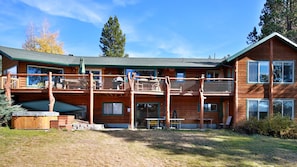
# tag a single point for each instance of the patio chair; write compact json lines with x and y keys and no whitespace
{"x":227,"y":124}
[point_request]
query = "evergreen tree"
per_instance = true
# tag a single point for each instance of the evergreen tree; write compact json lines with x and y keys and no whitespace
{"x":112,"y":39}
{"x":6,"y":109}
{"x":277,"y":16}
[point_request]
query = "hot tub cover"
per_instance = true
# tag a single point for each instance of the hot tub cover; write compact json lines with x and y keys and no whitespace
{"x":43,"y":105}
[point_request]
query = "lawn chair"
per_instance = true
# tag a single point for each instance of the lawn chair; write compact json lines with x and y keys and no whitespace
{"x":227,"y":124}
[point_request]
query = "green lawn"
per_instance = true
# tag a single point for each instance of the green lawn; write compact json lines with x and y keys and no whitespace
{"x":143,"y":148}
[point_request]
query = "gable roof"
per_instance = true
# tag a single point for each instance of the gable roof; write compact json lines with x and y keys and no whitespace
{"x":275,"y":34}
{"x":67,"y":60}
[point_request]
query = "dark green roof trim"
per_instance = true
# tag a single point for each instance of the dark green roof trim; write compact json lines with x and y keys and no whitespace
{"x":275,"y":34}
{"x":67,"y":60}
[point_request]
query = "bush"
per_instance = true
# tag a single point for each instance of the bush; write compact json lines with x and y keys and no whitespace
{"x":276,"y":126}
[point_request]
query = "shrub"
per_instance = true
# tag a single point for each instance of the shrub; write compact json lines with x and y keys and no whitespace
{"x":276,"y":126}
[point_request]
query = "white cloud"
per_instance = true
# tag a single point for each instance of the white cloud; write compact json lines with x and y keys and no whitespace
{"x":124,"y":2}
{"x":86,"y":11}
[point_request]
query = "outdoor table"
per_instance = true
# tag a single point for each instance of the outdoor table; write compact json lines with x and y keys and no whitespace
{"x":150,"y":121}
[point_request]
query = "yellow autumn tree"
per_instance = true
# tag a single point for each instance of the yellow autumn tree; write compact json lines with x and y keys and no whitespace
{"x":45,"y":42}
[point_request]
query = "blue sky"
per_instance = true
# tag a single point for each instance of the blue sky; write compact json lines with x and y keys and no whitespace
{"x":153,"y":28}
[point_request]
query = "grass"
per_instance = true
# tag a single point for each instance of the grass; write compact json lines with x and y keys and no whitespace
{"x":143,"y":148}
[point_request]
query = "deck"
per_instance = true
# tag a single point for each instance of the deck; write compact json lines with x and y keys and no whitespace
{"x":118,"y":84}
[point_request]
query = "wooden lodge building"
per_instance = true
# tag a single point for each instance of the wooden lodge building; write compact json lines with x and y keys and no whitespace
{"x":258,"y":81}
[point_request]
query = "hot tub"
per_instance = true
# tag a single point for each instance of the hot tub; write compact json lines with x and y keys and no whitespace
{"x":33,"y":119}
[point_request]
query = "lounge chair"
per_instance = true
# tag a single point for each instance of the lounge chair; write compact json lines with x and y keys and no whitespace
{"x":227,"y":124}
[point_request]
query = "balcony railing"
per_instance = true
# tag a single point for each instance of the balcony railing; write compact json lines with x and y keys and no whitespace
{"x":118,"y":83}
{"x":218,"y":85}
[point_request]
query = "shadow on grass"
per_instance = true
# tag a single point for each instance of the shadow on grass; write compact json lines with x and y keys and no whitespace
{"x":235,"y":149}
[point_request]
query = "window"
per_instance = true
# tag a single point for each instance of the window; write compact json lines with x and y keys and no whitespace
{"x":284,"y":108}
{"x":112,"y":108}
{"x":212,"y":74}
{"x":208,"y":107}
{"x":142,"y":72}
{"x":96,"y":76}
{"x":39,"y":80}
{"x":12,"y":70}
{"x":258,"y":71}
{"x":180,"y":75}
{"x":283,"y":71}
{"x":257,"y":109}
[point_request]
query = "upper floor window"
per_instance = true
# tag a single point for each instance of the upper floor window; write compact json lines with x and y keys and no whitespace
{"x":40,"y":80}
{"x":212,"y":74}
{"x":258,"y":71}
{"x":180,"y":75}
{"x":97,"y":76}
{"x":142,"y":72}
{"x":283,"y":71}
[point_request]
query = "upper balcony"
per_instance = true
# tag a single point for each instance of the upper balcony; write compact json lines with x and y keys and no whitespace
{"x":118,"y":84}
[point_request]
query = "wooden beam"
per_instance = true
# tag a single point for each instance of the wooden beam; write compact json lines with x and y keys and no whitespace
{"x":202,"y":101}
{"x":271,"y":79}
{"x":50,"y":92}
{"x":91,"y":87}
{"x":131,"y":83}
{"x":236,"y":93}
{"x":8,"y":88}
{"x":168,"y":87}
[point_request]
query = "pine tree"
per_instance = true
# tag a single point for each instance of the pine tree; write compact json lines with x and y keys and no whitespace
{"x":112,"y":39}
{"x":6,"y":109}
{"x":277,"y":16}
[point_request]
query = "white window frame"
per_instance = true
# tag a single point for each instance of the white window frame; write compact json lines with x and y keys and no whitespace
{"x":259,"y":72}
{"x":282,"y":108}
{"x":258,"y":107}
{"x":282,"y":66}
{"x":91,"y":70}
{"x":112,"y":108}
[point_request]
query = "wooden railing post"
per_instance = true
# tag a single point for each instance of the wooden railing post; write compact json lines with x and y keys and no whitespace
{"x":91,"y":88}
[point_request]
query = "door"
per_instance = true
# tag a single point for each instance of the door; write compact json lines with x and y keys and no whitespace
{"x":145,"y":110}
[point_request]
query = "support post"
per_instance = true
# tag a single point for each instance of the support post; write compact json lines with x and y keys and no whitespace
{"x":202,"y":101}
{"x":271,"y":79}
{"x":50,"y":92}
{"x":168,"y":87}
{"x":91,"y":87}
{"x":131,"y":84}
{"x":236,"y":94}
{"x":8,"y":88}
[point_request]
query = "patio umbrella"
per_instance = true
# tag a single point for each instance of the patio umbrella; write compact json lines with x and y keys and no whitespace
{"x":82,"y":68}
